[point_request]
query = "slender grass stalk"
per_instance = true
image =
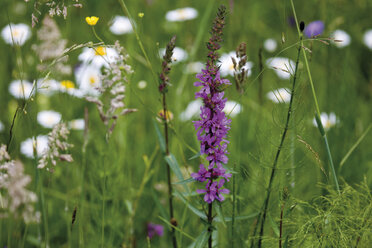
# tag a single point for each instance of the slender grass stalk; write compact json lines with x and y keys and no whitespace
{"x":170,"y":190}
{"x":324,"y":135}
{"x":273,"y":170}
{"x":167,"y":58}
{"x":134,"y":26}
{"x":104,"y":197}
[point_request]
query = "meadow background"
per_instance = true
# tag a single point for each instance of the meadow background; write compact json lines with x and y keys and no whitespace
{"x":124,"y":180}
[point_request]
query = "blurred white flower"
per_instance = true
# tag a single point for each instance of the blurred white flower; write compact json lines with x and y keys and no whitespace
{"x":328,"y":120}
{"x":183,"y":14}
{"x":142,"y":84}
{"x":178,"y":54}
{"x":281,"y":95}
{"x":194,"y":67}
{"x":41,"y":144}
{"x":20,"y":88}
{"x":367,"y":38}
{"x":232,"y":108}
{"x":48,"y":118}
{"x":121,"y":25}
{"x":192,"y":110}
{"x":343,"y":38}
{"x":227,"y":66}
{"x":77,"y":124}
{"x":283,"y":67}
{"x":98,"y":56}
{"x":16,"y":34}
{"x":47,"y":86}
{"x":270,"y":45}
{"x":88,"y":79}
{"x":1,"y":127}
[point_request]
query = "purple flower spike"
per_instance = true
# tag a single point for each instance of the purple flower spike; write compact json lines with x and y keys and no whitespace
{"x":213,"y":125}
{"x":154,"y":229}
{"x":314,"y":28}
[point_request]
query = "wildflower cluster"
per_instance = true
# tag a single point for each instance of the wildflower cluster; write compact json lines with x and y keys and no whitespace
{"x":214,"y":125}
{"x":57,"y":143}
{"x":112,"y":90}
{"x":15,"y":198}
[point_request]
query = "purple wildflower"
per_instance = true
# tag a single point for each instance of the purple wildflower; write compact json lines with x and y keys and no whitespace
{"x":154,"y":229}
{"x":314,"y":28}
{"x":213,"y":127}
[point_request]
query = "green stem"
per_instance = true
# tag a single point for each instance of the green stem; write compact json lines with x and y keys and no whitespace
{"x":95,"y":34}
{"x":316,"y":101}
{"x":210,"y":228}
{"x":273,"y":170}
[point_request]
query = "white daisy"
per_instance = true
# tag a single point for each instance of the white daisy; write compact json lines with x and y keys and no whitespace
{"x":20,"y":88}
{"x":88,"y":78}
{"x":47,"y":86}
{"x":1,"y":127}
{"x":77,"y":124}
{"x":98,"y":56}
{"x":67,"y":86}
{"x":283,"y":67}
{"x":194,"y":67}
{"x":232,"y":108}
{"x":343,"y":38}
{"x":281,"y":95}
{"x":41,"y":145}
{"x":328,"y":121}
{"x":192,"y":110}
{"x":48,"y":118}
{"x":227,"y":66}
{"x":367,"y":38}
{"x":16,"y":34}
{"x":183,"y":14}
{"x":178,"y":54}
{"x":121,"y":25}
{"x":270,"y":45}
{"x":142,"y":84}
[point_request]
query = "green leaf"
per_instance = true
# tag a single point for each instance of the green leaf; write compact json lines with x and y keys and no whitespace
{"x":160,"y":136}
{"x":242,"y":217}
{"x":189,"y":180}
{"x":274,"y":225}
{"x":285,"y":245}
{"x":189,"y":205}
{"x":172,"y":162}
{"x":202,"y":239}
{"x":218,"y":209}
{"x":195,"y":156}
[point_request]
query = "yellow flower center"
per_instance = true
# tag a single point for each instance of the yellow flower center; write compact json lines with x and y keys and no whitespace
{"x":15,"y":33}
{"x":181,"y":13}
{"x":328,"y":124}
{"x":67,"y":84}
{"x":100,"y":51}
{"x":92,"y":80}
{"x":91,"y":20}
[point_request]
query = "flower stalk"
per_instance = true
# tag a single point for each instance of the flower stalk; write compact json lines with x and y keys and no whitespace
{"x":213,"y":127}
{"x":163,"y":88}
